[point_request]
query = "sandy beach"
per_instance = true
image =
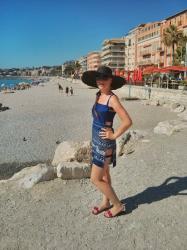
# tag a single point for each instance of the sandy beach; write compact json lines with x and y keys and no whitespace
{"x":152,"y":181}
{"x":44,"y":116}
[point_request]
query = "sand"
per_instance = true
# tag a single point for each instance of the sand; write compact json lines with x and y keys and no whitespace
{"x":152,"y":181}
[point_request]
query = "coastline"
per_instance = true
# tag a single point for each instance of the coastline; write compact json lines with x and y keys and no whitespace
{"x":150,"y":181}
{"x":43,"y":116}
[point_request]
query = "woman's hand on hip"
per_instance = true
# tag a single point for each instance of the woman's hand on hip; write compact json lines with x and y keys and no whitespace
{"x":107,"y":133}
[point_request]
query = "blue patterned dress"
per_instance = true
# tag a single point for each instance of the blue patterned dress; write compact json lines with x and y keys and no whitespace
{"x":103,"y":116}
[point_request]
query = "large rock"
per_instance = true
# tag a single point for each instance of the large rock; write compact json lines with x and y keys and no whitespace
{"x":161,"y":102}
{"x":168,"y":127}
{"x":69,"y":151}
{"x":73,"y":170}
{"x":167,"y":105}
{"x":177,"y":107}
{"x":120,"y":142}
{"x":183,"y":116}
{"x":29,"y":176}
{"x":155,"y":102}
{"x":164,"y":128}
{"x":126,"y":144}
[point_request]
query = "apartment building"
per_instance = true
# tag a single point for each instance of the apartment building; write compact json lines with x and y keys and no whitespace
{"x":141,"y":47}
{"x":93,"y":60}
{"x":130,"y":50}
{"x":113,"y":53}
{"x":179,"y":20}
{"x":83,"y":63}
{"x":149,"y":45}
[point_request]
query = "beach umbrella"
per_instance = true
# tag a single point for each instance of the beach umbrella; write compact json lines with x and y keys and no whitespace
{"x":140,"y":75}
{"x":176,"y":68}
{"x":137,"y":74}
{"x":134,"y":76}
{"x":121,"y":73}
{"x":128,"y":76}
{"x":117,"y":72}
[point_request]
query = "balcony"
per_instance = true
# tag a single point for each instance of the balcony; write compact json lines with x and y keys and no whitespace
{"x":114,"y":49}
{"x":113,"y":63}
{"x":114,"y":56}
{"x":146,"y":62}
{"x":160,"y":49}
{"x":145,"y":52}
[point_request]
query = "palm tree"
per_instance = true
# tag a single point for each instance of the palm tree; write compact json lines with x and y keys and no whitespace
{"x":181,"y":49}
{"x":171,"y":37}
{"x":77,"y":68}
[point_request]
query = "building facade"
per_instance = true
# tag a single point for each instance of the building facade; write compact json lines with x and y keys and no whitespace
{"x":130,"y":50}
{"x":83,"y":63}
{"x":141,"y":47}
{"x":179,"y":20}
{"x":113,"y":53}
{"x":93,"y":60}
{"x":149,"y":45}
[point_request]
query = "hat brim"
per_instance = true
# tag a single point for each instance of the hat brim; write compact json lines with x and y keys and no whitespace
{"x":89,"y":78}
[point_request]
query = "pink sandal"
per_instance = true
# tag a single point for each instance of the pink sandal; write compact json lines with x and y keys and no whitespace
{"x":96,"y":210}
{"x":109,"y":214}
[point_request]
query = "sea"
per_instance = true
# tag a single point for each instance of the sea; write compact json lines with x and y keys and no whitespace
{"x":12,"y":81}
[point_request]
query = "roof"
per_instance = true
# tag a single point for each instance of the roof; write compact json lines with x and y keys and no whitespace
{"x":93,"y":52}
{"x":117,"y":40}
{"x":177,"y":14}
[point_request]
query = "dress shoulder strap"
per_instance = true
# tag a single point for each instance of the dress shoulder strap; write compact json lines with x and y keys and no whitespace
{"x":109,"y":98}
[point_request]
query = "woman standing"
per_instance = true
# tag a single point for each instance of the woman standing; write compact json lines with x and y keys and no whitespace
{"x":103,"y":135}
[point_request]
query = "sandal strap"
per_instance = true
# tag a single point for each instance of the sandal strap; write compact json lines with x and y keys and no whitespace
{"x":96,"y":208}
{"x":109,"y":213}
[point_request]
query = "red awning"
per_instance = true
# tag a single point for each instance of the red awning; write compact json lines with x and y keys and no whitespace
{"x":150,"y":70}
{"x":176,"y":68}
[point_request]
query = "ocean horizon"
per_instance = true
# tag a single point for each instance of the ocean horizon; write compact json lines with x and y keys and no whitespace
{"x":12,"y":81}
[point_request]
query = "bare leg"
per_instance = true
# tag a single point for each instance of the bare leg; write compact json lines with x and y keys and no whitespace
{"x":106,"y":178}
{"x":105,"y":188}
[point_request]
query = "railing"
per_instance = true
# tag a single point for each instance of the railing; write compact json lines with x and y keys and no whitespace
{"x":145,"y":52}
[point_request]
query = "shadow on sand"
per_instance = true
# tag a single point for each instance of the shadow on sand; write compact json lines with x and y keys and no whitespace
{"x":156,"y":193}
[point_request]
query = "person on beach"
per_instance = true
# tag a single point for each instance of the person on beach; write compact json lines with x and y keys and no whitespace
{"x":104,"y":137}
{"x":71,"y":91}
{"x":67,"y":91}
{"x":149,"y":91}
{"x":60,"y":88}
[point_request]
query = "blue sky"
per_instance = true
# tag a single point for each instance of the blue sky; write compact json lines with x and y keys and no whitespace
{"x":46,"y":32}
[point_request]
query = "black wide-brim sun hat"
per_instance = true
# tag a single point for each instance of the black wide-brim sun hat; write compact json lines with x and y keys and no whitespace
{"x":90,"y":77}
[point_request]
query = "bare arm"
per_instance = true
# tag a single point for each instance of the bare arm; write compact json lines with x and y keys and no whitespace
{"x":126,"y":121}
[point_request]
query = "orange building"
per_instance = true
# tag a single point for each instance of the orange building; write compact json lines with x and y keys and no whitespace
{"x":149,"y":45}
{"x":179,"y":20}
{"x":93,"y":60}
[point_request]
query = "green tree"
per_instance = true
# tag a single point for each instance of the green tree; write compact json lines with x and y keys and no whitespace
{"x":171,"y":38}
{"x":180,"y":51}
{"x":69,"y":70}
{"x":72,"y":67}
